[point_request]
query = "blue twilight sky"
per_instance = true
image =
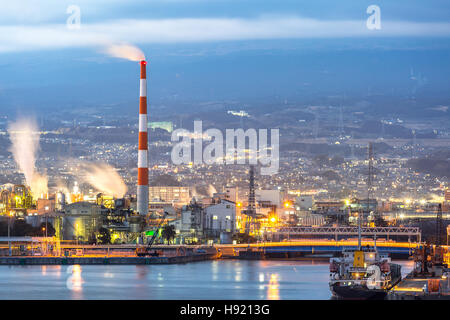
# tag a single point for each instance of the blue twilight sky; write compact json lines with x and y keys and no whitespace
{"x":250,"y":50}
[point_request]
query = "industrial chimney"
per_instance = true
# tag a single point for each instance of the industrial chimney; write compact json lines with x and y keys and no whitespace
{"x":142,"y":187}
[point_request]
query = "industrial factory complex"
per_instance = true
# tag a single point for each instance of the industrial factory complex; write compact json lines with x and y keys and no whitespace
{"x":165,"y":211}
{"x":222,"y":218}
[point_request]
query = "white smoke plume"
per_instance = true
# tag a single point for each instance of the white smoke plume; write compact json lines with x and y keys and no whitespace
{"x":24,"y":136}
{"x":125,"y":51}
{"x":211,"y":190}
{"x":201,"y":191}
{"x":102,"y":177}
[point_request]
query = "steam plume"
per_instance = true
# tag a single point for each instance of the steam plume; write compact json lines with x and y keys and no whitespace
{"x":103,"y":177}
{"x":125,"y":51}
{"x":204,"y":190}
{"x":24,"y":136}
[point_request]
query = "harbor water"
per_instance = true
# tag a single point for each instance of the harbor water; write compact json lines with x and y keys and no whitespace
{"x":218,"y":279}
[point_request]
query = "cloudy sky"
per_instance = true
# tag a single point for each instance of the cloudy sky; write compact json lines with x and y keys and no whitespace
{"x":206,"y":49}
{"x":52,"y":24}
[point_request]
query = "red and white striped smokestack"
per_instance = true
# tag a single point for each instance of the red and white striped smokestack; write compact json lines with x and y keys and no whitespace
{"x":142,"y":186}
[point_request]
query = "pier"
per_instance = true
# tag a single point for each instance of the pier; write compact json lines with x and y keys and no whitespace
{"x":421,"y":288}
{"x":103,"y":260}
{"x":43,"y":251}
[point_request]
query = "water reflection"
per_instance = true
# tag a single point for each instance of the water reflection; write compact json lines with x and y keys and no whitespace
{"x":224,"y":279}
{"x":273,"y":288}
{"x":75,"y":281}
{"x":141,"y":273}
{"x":215,"y":270}
{"x":51,"y":270}
{"x":58,"y":270}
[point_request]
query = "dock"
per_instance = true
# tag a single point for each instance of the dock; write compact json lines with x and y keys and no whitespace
{"x":105,"y":260}
{"x":421,"y":288}
{"x":106,"y":254}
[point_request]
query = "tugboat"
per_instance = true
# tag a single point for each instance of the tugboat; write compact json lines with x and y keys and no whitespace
{"x":363,"y":274}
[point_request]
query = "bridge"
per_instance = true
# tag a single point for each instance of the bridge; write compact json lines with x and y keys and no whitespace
{"x":317,"y":247}
{"x":288,"y":232}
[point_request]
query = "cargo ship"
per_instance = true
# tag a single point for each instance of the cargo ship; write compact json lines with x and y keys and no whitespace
{"x":363,"y":273}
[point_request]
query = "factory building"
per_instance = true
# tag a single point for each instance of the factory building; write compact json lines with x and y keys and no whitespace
{"x":216,"y":222}
{"x":221,"y":217}
{"x":269,"y":197}
{"x":170,"y":194}
{"x":15,"y":198}
{"x":164,"y":125}
{"x":45,"y":206}
{"x":189,"y":227}
{"x":159,"y":207}
{"x":231,"y":193}
{"x":328,"y":206}
{"x":304,"y":202}
{"x":81,"y":221}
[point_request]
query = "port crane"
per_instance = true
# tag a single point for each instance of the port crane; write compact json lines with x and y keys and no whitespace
{"x":143,"y":252}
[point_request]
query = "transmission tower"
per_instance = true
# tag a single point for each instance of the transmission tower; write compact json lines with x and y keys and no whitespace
{"x":341,"y":123}
{"x":315,"y":130}
{"x":250,"y":212}
{"x":369,"y":176}
{"x":439,"y":227}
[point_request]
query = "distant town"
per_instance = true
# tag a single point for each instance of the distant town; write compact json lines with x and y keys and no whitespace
{"x":324,"y":171}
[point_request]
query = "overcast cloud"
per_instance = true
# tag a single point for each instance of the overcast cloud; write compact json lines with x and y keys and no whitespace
{"x":97,"y":35}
